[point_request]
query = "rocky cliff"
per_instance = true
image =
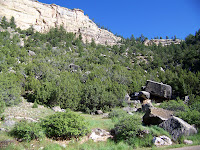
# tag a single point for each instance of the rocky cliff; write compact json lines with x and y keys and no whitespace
{"x":163,"y":42}
{"x":45,"y":16}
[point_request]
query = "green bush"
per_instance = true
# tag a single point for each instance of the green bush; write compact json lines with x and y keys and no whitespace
{"x":65,"y":125}
{"x":35,"y":105}
{"x":175,"y":105}
{"x":27,"y":131}
{"x":117,"y":113}
{"x":127,"y":128}
{"x":2,"y":105}
{"x":190,"y":116}
{"x":9,"y":89}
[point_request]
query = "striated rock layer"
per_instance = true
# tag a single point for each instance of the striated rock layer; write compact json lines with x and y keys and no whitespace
{"x":45,"y":16}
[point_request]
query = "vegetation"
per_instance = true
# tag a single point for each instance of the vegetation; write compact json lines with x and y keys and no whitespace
{"x":87,"y":77}
{"x":27,"y":131}
{"x":65,"y":126}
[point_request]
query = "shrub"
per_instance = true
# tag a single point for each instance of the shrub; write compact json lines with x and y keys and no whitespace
{"x":27,"y":131}
{"x":117,"y":113}
{"x":65,"y":125}
{"x":127,"y":128}
{"x":35,"y":105}
{"x":2,"y":105}
{"x":190,"y":116}
{"x":175,"y":105}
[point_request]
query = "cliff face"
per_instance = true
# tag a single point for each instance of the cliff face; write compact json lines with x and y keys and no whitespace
{"x":163,"y":42}
{"x":45,"y":16}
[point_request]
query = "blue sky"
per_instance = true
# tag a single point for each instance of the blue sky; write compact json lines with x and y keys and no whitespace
{"x":151,"y":18}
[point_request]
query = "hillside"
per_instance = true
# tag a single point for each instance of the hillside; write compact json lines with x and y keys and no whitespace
{"x":41,"y":70}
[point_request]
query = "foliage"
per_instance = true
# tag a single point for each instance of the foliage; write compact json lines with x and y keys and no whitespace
{"x":127,"y":128}
{"x":65,"y":125}
{"x":27,"y":131}
{"x":35,"y":105}
{"x":9,"y":89}
{"x":174,"y":105}
{"x":190,"y":116}
{"x":117,"y":113}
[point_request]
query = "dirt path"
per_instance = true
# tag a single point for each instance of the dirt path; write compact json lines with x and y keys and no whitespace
{"x":197,"y":147}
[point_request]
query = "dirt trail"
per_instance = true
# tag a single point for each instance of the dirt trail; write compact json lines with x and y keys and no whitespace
{"x":197,"y":147}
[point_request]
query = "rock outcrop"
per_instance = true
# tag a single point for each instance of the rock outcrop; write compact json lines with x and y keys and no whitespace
{"x":155,"y":116}
{"x":177,"y":127}
{"x":158,"y":89}
{"x":163,"y":42}
{"x":45,"y":16}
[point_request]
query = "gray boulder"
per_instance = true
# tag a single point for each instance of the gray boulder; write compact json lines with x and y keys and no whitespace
{"x":127,"y":97}
{"x":177,"y":127}
{"x":144,"y":95}
{"x":99,"y":112}
{"x":99,"y":135}
{"x":162,"y":141}
{"x":188,"y":142}
{"x":31,"y":53}
{"x":158,"y":89}
{"x":130,"y":109}
{"x":58,"y":109}
{"x":155,"y":116}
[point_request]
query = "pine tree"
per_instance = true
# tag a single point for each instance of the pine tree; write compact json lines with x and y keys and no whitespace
{"x":12,"y":22}
{"x":4,"y":24}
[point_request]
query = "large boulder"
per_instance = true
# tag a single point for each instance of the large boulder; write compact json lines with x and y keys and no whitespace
{"x":162,"y":141}
{"x":158,"y":89}
{"x":155,"y":116}
{"x":177,"y":127}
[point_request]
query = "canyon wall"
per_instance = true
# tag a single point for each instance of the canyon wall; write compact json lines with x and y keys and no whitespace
{"x":45,"y":16}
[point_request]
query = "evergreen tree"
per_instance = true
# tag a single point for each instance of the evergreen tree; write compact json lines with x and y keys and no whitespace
{"x":4,"y":23}
{"x":12,"y":22}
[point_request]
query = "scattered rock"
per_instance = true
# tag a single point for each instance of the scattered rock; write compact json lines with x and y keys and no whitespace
{"x":99,"y":112}
{"x":58,"y":109}
{"x":143,"y":133}
{"x":73,"y":67}
{"x":144,"y":95}
{"x":130,"y":109}
{"x":187,"y":142}
{"x":105,"y":115}
{"x":155,"y":116}
{"x":162,"y":140}
{"x":177,"y":127}
{"x":9,"y":123}
{"x":146,"y":105}
{"x":31,"y":53}
{"x":99,"y":135}
{"x":127,"y":97}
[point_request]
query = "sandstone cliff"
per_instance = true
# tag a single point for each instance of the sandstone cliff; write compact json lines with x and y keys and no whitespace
{"x":163,"y":42}
{"x":45,"y":16}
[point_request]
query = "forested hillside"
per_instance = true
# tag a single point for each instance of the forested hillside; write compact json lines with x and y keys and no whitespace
{"x":57,"y":68}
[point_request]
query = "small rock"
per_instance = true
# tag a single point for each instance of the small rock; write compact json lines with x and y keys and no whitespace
{"x":9,"y":123}
{"x":162,"y":140}
{"x":57,"y":109}
{"x":144,"y":94}
{"x":99,"y":135}
{"x":146,"y":105}
{"x":129,"y":109}
{"x":99,"y":112}
{"x":187,"y":142}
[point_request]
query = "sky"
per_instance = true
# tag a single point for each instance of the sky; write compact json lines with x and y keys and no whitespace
{"x":151,"y":18}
